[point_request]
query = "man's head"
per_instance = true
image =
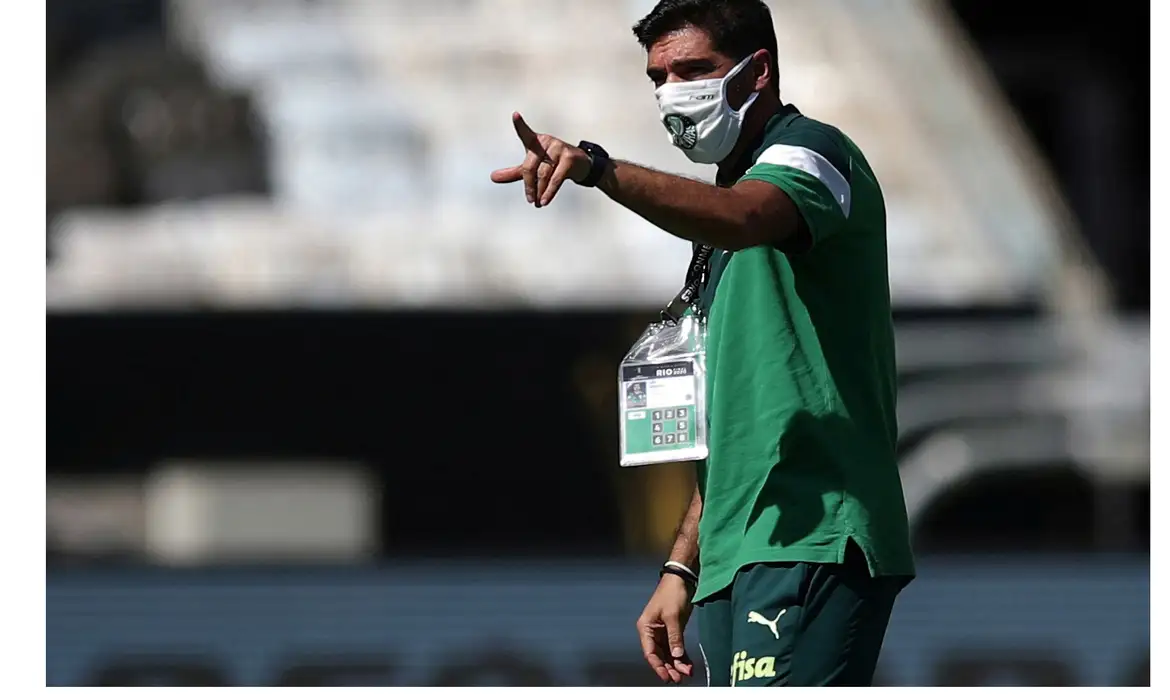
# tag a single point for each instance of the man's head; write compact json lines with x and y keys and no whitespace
{"x":710,"y":61}
{"x":688,"y":40}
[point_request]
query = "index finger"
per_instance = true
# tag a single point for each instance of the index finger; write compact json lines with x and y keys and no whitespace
{"x":651,"y":653}
{"x":527,"y":135}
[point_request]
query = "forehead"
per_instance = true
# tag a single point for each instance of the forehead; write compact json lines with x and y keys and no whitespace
{"x":686,"y":44}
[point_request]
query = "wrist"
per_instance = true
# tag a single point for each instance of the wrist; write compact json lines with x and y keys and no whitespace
{"x":684,"y":556}
{"x":595,"y":166}
{"x":681,"y":571}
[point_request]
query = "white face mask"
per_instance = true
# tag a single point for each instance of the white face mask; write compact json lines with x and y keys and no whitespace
{"x":699,"y":120}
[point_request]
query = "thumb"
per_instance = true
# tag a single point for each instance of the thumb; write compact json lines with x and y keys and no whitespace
{"x":506,"y":175}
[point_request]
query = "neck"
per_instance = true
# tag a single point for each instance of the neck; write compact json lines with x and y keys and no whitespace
{"x":762,"y":110}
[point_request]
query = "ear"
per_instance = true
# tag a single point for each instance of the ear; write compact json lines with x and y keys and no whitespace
{"x":761,"y":68}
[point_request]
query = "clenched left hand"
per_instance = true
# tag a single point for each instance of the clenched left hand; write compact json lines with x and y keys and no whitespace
{"x":548,"y":162}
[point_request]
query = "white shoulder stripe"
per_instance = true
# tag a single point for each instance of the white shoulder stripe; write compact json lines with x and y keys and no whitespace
{"x":813,"y":163}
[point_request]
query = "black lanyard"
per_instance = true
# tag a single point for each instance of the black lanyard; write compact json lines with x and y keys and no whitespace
{"x":696,"y":276}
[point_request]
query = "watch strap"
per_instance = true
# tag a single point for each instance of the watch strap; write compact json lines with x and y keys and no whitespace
{"x":598,"y":163}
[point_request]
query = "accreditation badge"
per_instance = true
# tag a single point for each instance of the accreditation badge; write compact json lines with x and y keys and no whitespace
{"x":662,"y":392}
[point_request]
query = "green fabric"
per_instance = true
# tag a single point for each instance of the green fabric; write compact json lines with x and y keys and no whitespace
{"x":801,"y":375}
{"x":797,"y":624}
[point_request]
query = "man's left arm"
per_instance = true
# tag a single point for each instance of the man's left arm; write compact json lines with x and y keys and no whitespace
{"x":751,"y":213}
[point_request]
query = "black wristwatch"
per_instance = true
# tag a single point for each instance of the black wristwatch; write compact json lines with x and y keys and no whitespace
{"x":598,"y":163}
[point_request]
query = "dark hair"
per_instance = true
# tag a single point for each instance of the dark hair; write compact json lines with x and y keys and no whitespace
{"x":738,"y":28}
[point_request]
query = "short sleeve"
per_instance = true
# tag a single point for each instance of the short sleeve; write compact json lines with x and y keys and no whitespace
{"x":820,"y":189}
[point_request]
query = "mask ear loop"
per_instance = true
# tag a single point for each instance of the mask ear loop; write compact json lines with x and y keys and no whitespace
{"x":740,"y":113}
{"x":732,"y":75}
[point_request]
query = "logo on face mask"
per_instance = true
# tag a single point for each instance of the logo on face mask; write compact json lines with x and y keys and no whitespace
{"x":683,"y":131}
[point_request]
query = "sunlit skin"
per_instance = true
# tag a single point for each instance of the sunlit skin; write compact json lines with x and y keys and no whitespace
{"x":682,"y":55}
{"x":748,"y":214}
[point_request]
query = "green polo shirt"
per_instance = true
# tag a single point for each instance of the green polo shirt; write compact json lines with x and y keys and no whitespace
{"x":801,"y":373}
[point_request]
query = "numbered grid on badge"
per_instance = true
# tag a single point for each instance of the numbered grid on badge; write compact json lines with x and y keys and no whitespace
{"x":670,"y":426}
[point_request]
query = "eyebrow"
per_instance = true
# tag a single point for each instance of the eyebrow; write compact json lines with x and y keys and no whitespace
{"x":683,"y":64}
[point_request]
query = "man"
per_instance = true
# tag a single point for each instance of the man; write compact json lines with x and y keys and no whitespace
{"x":797,"y":529}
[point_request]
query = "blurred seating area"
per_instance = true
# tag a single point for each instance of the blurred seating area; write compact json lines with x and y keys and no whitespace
{"x":136,"y":123}
{"x":1005,"y":415}
{"x":333,"y":154}
{"x":347,"y":143}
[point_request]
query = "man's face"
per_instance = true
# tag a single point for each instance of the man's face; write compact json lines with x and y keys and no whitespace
{"x":686,"y":54}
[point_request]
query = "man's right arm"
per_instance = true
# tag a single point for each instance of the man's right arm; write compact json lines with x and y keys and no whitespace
{"x":686,"y":540}
{"x":665,"y":618}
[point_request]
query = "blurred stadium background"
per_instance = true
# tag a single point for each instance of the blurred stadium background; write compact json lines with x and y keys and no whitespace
{"x":326,"y":407}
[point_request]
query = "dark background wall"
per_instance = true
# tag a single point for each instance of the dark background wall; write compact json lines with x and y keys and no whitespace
{"x":1080,"y":79}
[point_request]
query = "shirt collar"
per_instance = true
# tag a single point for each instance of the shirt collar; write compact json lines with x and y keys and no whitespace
{"x":782,"y":118}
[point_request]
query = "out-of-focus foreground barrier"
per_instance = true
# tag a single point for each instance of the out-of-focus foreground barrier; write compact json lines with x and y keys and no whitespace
{"x":971,"y":621}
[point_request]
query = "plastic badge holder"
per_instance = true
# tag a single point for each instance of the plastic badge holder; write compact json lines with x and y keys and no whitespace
{"x":662,"y":391}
